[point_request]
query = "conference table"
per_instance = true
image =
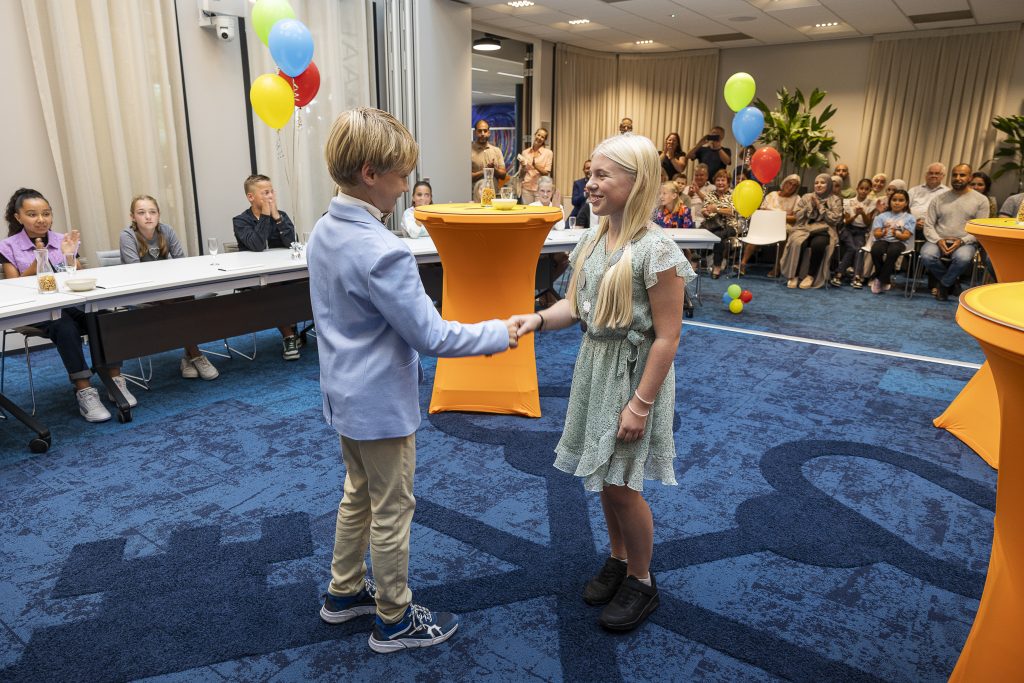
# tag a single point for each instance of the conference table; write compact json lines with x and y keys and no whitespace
{"x":254,"y":291}
{"x":971,"y":417}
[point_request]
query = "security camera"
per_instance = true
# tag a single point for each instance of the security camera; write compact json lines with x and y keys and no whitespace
{"x":224,"y":27}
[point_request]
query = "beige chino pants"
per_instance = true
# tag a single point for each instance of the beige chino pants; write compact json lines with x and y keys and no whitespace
{"x":376,"y":511}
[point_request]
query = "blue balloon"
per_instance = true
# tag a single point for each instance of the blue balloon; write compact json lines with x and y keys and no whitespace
{"x":726,"y":299}
{"x":291,"y":46}
{"x":747,"y":125}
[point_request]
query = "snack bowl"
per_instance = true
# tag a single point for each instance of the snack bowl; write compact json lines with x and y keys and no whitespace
{"x":81,"y":284}
{"x":503,"y":204}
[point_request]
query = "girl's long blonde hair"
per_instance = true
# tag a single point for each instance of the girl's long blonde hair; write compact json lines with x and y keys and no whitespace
{"x":639,"y":157}
{"x":140,"y":243}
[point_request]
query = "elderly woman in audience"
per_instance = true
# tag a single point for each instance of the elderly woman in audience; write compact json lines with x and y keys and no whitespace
{"x":147,"y":239}
{"x":893,"y":233}
{"x":560,"y":261}
{"x":697,"y":191}
{"x":783,"y":199}
{"x":982,"y":184}
{"x":813,"y":237}
{"x":672,"y":157}
{"x":672,"y":211}
{"x":858,"y":213}
{"x":719,"y":218}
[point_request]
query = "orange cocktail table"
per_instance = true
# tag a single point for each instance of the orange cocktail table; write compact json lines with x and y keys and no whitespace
{"x":490,"y":261}
{"x":994,"y":315}
{"x":971,"y":416}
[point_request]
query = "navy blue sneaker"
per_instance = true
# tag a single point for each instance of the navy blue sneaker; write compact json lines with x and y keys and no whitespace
{"x":419,"y":627}
{"x":337,"y":609}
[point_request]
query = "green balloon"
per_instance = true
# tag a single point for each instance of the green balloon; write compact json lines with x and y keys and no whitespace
{"x":266,"y":13}
{"x":734,"y":291}
{"x":739,"y":90}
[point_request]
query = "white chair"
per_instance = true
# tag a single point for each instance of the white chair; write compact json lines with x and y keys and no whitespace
{"x":111,"y":257}
{"x":766,"y":227}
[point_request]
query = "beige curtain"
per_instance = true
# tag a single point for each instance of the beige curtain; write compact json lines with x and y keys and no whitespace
{"x":932,"y":98}
{"x":662,"y":93}
{"x":294,"y":157}
{"x":110,"y":84}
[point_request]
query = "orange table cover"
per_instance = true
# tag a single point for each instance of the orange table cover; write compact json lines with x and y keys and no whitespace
{"x":994,"y":315}
{"x":490,"y":261}
{"x":971,"y":417}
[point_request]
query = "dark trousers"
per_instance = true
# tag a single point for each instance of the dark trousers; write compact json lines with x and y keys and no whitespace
{"x":884,"y":255}
{"x":724,"y":231}
{"x":66,"y":334}
{"x":851,"y":240}
{"x":817,"y":243}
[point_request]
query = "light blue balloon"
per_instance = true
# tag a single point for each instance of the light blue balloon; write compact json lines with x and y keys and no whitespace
{"x":747,"y":125}
{"x":291,"y":46}
{"x":726,"y":299}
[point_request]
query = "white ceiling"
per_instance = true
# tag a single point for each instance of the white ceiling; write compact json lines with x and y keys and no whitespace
{"x":491,"y":80}
{"x":616,"y":25}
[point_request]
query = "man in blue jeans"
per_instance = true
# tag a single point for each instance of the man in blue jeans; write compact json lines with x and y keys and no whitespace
{"x":949,"y":249}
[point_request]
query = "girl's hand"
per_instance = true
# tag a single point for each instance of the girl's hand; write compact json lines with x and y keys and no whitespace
{"x":69,"y":245}
{"x":526,"y":323}
{"x":631,"y":426}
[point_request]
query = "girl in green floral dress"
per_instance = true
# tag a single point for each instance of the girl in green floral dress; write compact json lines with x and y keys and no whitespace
{"x":626,"y":293}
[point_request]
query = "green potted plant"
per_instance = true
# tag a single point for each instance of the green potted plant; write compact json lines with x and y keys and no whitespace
{"x":803,"y":140}
{"x":1011,"y":149}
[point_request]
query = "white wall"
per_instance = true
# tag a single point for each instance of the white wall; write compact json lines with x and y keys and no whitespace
{"x":443,"y":61}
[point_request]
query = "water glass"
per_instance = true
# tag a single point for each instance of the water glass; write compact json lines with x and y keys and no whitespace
{"x":213,"y":248}
{"x":507,"y":193}
{"x":571,"y":223}
{"x":70,"y":264}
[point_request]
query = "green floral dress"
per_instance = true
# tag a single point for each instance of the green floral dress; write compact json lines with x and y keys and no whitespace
{"x":608,"y":371}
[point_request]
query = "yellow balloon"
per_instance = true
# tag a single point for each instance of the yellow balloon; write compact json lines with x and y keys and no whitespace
{"x":747,"y":198}
{"x":736,"y":306}
{"x":272,"y":99}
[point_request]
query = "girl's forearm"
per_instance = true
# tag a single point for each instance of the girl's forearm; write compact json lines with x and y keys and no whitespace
{"x":659,"y":361}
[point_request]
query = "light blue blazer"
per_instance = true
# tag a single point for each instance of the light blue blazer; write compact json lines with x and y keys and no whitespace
{"x":373,"y":319}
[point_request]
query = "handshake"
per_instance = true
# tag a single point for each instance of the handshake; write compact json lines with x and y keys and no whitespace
{"x":521,"y":325}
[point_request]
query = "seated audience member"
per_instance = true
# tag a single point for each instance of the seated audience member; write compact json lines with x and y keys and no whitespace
{"x":837,"y":186}
{"x":878,"y":183}
{"x":29,"y":228}
{"x":422,"y":195}
{"x":946,"y":238}
{"x":818,"y":215}
{"x":1011,"y":207}
{"x":671,"y":211}
{"x":147,"y":239}
{"x":260,"y":227}
{"x":843,"y":171}
{"x":680,"y":182}
{"x":697,"y":192}
{"x":783,"y":199}
{"x":672,"y":157}
{"x":586,"y":218}
{"x":982,"y":184}
{"x":535,"y":162}
{"x":545,"y":197}
{"x":893,"y":233}
{"x":709,"y":151}
{"x":579,"y":197}
{"x":882,"y":203}
{"x":922,"y":195}
{"x":858,"y":214}
{"x":720,"y":219}
{"x":625,"y":126}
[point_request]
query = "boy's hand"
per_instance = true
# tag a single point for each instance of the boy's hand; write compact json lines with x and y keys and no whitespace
{"x":513,"y":334}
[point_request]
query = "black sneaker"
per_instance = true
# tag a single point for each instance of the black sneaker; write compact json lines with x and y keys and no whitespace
{"x":419,"y":627}
{"x":602,"y":588}
{"x":630,"y":606}
{"x":339,"y":609}
{"x":291,"y":348}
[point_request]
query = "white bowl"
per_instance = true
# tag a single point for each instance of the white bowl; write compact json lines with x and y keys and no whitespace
{"x":81,"y":284}
{"x":503,"y":204}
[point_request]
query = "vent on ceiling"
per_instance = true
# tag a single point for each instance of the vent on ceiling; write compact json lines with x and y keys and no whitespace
{"x":959,"y":15}
{"x":725,"y":37}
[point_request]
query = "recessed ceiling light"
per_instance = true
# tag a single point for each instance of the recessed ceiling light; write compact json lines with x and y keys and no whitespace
{"x":486,"y":44}
{"x":577,"y":22}
{"x":476,"y":68}
{"x":673,"y":16}
{"x":827,"y":24}
{"x":478,"y":92}
{"x":644,"y":42}
{"x":498,"y":94}
{"x":519,"y":3}
{"x":502,"y":73}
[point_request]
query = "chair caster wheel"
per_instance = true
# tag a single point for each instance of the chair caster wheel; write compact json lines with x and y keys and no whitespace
{"x":39,"y":444}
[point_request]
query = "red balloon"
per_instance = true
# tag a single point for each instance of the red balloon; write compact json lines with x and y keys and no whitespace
{"x":305,"y":85}
{"x":765,"y":164}
{"x":746,"y":296}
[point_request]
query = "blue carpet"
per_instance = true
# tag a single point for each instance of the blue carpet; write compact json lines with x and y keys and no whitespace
{"x":821,"y":529}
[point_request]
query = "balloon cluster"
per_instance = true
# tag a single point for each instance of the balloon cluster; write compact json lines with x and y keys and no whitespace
{"x":735,"y":298}
{"x":275,"y":96}
{"x":747,"y":126}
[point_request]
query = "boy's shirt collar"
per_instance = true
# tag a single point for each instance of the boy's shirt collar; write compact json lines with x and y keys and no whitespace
{"x":354,"y":201}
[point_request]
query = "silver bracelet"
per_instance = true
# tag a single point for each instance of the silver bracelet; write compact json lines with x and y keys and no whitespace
{"x":642,"y":399}
{"x":630,"y":408}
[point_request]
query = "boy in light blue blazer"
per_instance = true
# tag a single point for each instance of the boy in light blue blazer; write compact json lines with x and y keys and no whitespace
{"x":373,"y":319}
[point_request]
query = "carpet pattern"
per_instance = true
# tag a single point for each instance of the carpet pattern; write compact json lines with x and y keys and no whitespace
{"x":821,"y":528}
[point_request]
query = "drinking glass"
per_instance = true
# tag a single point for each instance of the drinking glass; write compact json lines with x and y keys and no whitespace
{"x":70,"y":265}
{"x":212,"y":247}
{"x":571,"y":223}
{"x":507,"y":193}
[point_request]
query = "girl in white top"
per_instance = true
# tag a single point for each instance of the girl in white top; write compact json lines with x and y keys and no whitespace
{"x":422,"y":194}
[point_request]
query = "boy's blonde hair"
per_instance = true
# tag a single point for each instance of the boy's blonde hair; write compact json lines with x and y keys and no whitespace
{"x":254,"y":180}
{"x":368,"y":136}
{"x":638,"y":156}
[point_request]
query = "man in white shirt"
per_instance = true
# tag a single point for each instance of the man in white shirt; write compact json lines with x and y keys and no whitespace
{"x":922,"y":195}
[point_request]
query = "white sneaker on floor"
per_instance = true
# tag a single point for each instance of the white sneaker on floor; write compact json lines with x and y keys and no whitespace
{"x":90,"y":407}
{"x":188,"y":371}
{"x":123,"y":386}
{"x":204,"y":367}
